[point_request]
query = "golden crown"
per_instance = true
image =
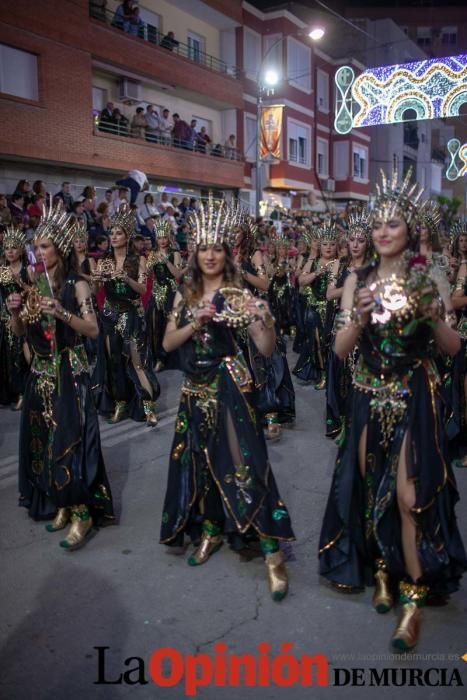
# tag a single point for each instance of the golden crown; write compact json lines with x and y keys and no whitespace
{"x":14,"y":238}
{"x":358,"y":223}
{"x":80,"y":230}
{"x":124,"y":219}
{"x":162,"y":229}
{"x":458,"y":229}
{"x":208,"y":222}
{"x":396,"y":198}
{"x":55,"y":224}
{"x":327,"y":232}
{"x":429,"y":215}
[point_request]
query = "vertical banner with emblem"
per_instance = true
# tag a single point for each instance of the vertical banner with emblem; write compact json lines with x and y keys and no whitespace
{"x":271,"y":132}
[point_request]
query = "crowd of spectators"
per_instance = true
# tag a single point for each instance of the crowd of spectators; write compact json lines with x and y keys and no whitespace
{"x":159,"y":127}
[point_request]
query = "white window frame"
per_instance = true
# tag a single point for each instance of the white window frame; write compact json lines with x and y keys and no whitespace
{"x":305,"y":78}
{"x":308,"y":164}
{"x":194,"y":36}
{"x":338,"y":162}
{"x":258,"y":51}
{"x":249,"y":150}
{"x":325,"y":106}
{"x":28,"y":69}
{"x":325,"y":144}
{"x":357,"y":148}
{"x":152,"y":19}
{"x":449,"y":32}
{"x":273,"y":59}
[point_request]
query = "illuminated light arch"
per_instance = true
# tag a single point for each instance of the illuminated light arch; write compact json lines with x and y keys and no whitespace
{"x":377,"y":96}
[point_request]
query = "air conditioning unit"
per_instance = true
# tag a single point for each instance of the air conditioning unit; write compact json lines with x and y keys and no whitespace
{"x":129,"y":91}
{"x":331,"y":185}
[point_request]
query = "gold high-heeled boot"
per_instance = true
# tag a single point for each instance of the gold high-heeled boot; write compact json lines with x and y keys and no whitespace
{"x":80,"y":529}
{"x":382,"y":597}
{"x":277,"y":575}
{"x":60,"y":521}
{"x":150,"y":413}
{"x":208,"y":546}
{"x":119,"y":412}
{"x":412,"y":596}
{"x":273,"y":429}
{"x":19,"y":404}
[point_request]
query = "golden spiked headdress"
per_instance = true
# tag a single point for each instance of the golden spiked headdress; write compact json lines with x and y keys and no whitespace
{"x":162,"y":228}
{"x":56,"y":225}
{"x":14,"y":238}
{"x":208,"y":222}
{"x":124,"y":219}
{"x":327,"y":231}
{"x":80,"y":230}
{"x":429,"y":215}
{"x":458,"y":229}
{"x":395,"y":198}
{"x":358,"y":223}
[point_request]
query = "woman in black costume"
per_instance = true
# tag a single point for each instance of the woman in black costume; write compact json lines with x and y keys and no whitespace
{"x":61,"y":470}
{"x":87,"y":268}
{"x":339,"y":372}
{"x":166,"y":268}
{"x":124,"y":380}
{"x":390,"y":510}
{"x":459,"y":366}
{"x":317,"y":310}
{"x":220,"y":480}
{"x":14,"y":353}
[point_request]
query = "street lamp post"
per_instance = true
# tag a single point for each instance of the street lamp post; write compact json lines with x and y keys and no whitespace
{"x":270,"y":78}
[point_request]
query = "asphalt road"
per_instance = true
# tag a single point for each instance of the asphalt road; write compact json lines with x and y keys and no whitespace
{"x":125,"y":592}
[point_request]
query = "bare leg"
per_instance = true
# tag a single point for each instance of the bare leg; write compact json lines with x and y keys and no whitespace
{"x":406,"y":500}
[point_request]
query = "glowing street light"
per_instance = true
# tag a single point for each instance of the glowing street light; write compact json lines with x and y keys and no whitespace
{"x":271,"y":77}
{"x":317,"y":33}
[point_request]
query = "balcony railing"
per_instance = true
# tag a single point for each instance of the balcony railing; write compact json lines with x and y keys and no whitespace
{"x":138,"y":135}
{"x":146,"y":32}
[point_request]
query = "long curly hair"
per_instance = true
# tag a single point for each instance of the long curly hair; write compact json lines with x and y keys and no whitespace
{"x":194,"y":285}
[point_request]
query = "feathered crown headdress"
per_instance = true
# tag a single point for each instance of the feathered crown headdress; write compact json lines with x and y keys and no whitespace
{"x":327,"y":232}
{"x":14,"y":238}
{"x":208,"y":222}
{"x":55,"y":224}
{"x":394,"y":198}
{"x":458,"y":229}
{"x":80,"y":230}
{"x":357,"y":223}
{"x":429,"y":215}
{"x":162,"y":228}
{"x":124,"y":219}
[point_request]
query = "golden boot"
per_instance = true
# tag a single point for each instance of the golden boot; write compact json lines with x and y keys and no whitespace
{"x":19,"y":404}
{"x":80,"y":529}
{"x":277,"y":575}
{"x":60,"y":521}
{"x":208,"y":546}
{"x":412,"y":598}
{"x":150,"y":413}
{"x":119,"y":412}
{"x":273,"y":429}
{"x":382,"y":597}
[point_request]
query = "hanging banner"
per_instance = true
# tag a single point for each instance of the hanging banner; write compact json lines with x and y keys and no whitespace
{"x":271,"y":132}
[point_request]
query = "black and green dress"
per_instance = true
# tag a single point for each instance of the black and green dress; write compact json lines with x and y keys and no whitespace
{"x":455,"y":386}
{"x":219,"y":468}
{"x":160,"y":304}
{"x":122,"y":347}
{"x":13,"y":365}
{"x":60,"y":457}
{"x":396,"y":392}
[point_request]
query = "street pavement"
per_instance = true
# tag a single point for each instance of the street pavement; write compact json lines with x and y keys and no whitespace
{"x":126,"y":592}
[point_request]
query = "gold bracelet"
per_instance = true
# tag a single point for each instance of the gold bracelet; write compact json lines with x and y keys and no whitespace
{"x":195,"y":324}
{"x":86,"y":307}
{"x":268,"y":321}
{"x":65,"y":315}
{"x":356,"y":318}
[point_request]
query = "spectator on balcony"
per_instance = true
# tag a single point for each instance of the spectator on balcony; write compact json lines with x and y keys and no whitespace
{"x":217,"y":150}
{"x":169,"y":41}
{"x":138,"y":124}
{"x":5,"y":213}
{"x":152,"y":124}
{"x":66,"y":196}
{"x":106,"y":120}
{"x":181,"y":132}
{"x":192,"y":135}
{"x":203,"y":140}
{"x":136,"y":181}
{"x":148,"y":208}
{"x":121,"y":123}
{"x":230,"y":148}
{"x":122,"y":16}
{"x":165,"y":128}
{"x":136,"y":23}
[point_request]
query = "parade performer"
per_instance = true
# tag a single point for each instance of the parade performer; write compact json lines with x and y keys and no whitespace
{"x":14,"y":353}
{"x":61,"y":470}
{"x":307,"y":248}
{"x":166,"y":268}
{"x":220,"y":480}
{"x":123,"y":379}
{"x":281,"y":288}
{"x":339,"y":372}
{"x":457,"y":424}
{"x":317,"y":310}
{"x":86,"y":268}
{"x":390,"y":510}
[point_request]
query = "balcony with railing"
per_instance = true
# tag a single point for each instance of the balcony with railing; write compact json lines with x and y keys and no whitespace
{"x":150,"y":34}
